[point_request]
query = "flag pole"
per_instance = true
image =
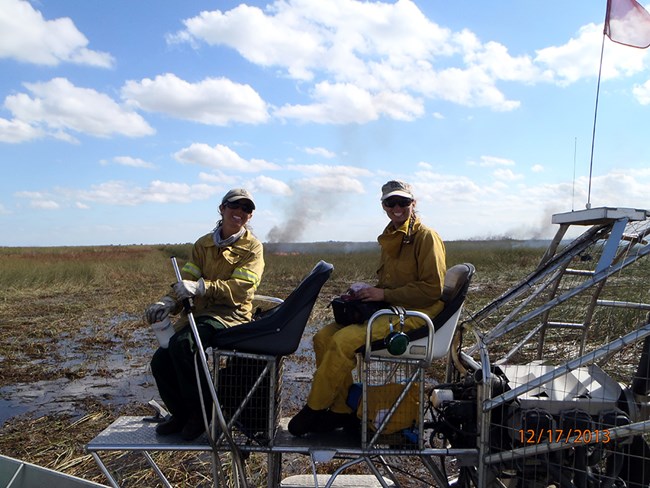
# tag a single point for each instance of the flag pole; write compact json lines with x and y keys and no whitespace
{"x":593,"y":132}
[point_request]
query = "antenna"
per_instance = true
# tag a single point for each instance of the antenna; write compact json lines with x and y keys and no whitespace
{"x":573,"y":191}
{"x":593,"y":132}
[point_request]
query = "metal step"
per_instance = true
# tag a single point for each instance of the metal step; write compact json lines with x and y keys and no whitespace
{"x":341,"y":481}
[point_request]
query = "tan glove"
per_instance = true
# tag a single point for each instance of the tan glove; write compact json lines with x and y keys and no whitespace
{"x":159,"y":310}
{"x":188,"y":289}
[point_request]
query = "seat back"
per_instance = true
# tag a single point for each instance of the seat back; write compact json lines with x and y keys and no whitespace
{"x":457,"y":280}
{"x":455,"y":286}
{"x":279,"y":331}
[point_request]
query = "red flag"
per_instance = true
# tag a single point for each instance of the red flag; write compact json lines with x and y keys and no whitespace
{"x":627,"y":22}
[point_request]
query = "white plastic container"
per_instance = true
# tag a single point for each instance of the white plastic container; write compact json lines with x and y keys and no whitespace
{"x":164,"y":331}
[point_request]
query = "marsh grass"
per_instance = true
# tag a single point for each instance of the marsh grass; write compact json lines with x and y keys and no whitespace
{"x":95,"y":297}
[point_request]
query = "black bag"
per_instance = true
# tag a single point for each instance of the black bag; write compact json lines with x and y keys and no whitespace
{"x":349,"y":310}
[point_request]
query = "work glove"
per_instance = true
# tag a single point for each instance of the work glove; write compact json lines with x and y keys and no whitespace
{"x":189,"y":289}
{"x":159,"y":310}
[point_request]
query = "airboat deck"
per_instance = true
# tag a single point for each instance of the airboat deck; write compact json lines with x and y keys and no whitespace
{"x":548,"y":384}
{"x":137,"y":434}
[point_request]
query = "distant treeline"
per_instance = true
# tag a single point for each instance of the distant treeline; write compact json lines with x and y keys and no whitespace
{"x":349,"y":247}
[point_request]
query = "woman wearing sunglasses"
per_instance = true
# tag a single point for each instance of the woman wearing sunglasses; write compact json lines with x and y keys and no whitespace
{"x":225,"y":269}
{"x":411,"y":274}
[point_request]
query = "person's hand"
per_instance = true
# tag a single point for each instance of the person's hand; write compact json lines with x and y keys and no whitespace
{"x":370,"y":294}
{"x":355,"y":287}
{"x":188,"y":289}
{"x":159,"y":310}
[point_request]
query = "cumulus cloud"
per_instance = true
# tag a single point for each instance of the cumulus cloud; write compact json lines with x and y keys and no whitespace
{"x":264,"y":184}
{"x":324,"y":169}
{"x":133,"y":162}
{"x":332,"y":184}
{"x":372,"y":59}
{"x":15,"y":131}
{"x":212,"y":101}
{"x":506,"y":174}
{"x":120,"y":193}
{"x":221,"y":157}
{"x":320,"y":151}
{"x":57,"y":107}
{"x":27,"y":37}
{"x":365,"y":60}
{"x":642,"y":93}
{"x":579,"y":58}
{"x":217,"y":177}
{"x":494,"y":161}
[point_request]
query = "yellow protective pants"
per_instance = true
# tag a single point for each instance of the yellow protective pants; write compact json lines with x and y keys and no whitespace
{"x":335,"y":347}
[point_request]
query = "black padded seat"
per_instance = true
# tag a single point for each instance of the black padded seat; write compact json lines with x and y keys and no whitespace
{"x":457,"y":280}
{"x":279,"y":331}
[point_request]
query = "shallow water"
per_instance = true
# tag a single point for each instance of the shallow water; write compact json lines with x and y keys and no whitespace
{"x":119,"y":374}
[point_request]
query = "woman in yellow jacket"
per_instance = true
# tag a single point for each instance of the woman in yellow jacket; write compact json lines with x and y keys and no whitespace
{"x":221,"y":278}
{"x":411,"y":274}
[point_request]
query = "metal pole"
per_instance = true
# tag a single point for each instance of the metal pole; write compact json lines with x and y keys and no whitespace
{"x":187,"y":305}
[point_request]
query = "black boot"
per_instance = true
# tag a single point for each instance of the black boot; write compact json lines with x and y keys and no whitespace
{"x":172,"y":425}
{"x":193,"y":428}
{"x":305,"y":421}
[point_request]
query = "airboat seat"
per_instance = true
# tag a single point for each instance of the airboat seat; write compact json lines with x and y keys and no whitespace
{"x":389,"y":401}
{"x":247,"y":361}
{"x":455,"y":287}
{"x":278,"y":331}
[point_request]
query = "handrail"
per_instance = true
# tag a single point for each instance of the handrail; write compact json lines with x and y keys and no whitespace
{"x":407,"y":313}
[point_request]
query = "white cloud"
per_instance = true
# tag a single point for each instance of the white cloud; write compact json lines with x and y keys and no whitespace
{"x":119,"y":193}
{"x":374,"y":59}
{"x":320,"y":151}
{"x":493,"y":161}
{"x":331,"y":184}
{"x":264,"y":184}
{"x":15,"y":131}
{"x":44,"y":204}
{"x":213,"y":101}
{"x":133,"y":162}
{"x":579,"y":58}
{"x":218,"y":177}
{"x":506,"y":175}
{"x":27,"y":37}
{"x":57,"y":106}
{"x":537,"y":168}
{"x":123,"y":193}
{"x":220,"y":157}
{"x":642,"y":93}
{"x":324,"y":169}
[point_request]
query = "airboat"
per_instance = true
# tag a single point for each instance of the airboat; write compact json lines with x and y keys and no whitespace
{"x":547,"y":385}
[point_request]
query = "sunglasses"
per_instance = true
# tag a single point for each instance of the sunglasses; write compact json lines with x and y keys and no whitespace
{"x":402,"y":202}
{"x":245,"y":206}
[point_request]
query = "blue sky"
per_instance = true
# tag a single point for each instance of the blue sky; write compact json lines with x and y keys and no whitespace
{"x":125,"y":122}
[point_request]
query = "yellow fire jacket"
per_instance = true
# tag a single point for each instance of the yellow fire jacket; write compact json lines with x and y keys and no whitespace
{"x":412,"y":270}
{"x":231,"y":274}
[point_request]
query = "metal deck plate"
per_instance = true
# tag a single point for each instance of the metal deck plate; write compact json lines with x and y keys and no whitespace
{"x":139,"y":434}
{"x":133,"y":433}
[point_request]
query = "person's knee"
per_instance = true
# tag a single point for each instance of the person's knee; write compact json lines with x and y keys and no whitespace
{"x":159,"y":361}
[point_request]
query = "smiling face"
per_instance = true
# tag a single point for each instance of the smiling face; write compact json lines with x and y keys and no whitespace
{"x":398,"y":209}
{"x":234,"y":215}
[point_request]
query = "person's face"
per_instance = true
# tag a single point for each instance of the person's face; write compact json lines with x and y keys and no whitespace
{"x":235,"y":215}
{"x":398,"y":209}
